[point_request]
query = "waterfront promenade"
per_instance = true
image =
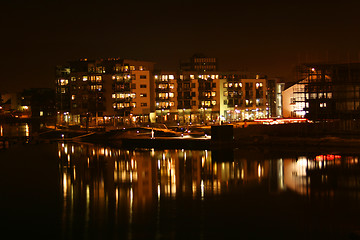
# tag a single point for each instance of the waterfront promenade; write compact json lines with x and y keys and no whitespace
{"x":286,"y":136}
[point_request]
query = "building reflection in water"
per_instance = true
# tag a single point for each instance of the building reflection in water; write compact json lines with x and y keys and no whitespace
{"x":104,"y":183}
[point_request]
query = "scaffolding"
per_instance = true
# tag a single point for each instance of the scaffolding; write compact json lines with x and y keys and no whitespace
{"x":329,"y":91}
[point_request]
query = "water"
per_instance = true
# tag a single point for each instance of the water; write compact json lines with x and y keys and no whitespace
{"x":82,"y":191}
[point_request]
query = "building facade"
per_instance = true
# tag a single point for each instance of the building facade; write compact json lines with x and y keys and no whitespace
{"x":192,"y":97}
{"x":99,"y":91}
{"x":120,"y":91}
{"x":325,"y":91}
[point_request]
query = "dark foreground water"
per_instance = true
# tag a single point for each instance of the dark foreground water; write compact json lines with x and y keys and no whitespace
{"x":81,"y":191}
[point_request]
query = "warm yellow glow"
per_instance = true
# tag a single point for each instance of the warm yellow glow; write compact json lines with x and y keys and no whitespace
{"x":202,"y":187}
{"x":27,"y":131}
{"x":64,"y":185}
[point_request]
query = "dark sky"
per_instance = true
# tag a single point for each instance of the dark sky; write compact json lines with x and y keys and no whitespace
{"x":268,"y":37}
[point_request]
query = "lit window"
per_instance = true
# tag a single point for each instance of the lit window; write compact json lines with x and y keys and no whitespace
{"x":113,"y":95}
{"x":213,"y":102}
{"x":63,"y":82}
{"x":72,"y":97}
{"x":213,"y":94}
{"x":171,"y":77}
{"x":192,"y":77}
{"x":171,"y":86}
{"x":171,"y":94}
{"x":143,"y":94}
{"x":172,"y":104}
{"x":85,"y":78}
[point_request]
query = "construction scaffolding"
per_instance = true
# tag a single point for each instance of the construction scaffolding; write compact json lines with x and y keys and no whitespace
{"x":329,"y":91}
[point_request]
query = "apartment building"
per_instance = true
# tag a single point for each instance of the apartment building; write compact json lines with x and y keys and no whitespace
{"x":121,"y":91}
{"x":189,"y":97}
{"x":199,"y":63}
{"x":103,"y":90}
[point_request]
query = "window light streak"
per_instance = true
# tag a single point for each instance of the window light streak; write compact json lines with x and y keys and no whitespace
{"x":202,"y":189}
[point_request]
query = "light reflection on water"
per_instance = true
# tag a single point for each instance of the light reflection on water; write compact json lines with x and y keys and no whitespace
{"x":113,"y":190}
{"x":15,"y":130}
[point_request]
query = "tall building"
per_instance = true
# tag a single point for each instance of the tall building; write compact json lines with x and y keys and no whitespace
{"x":192,"y":97}
{"x":101,"y":90}
{"x":199,"y":63}
{"x":121,"y":91}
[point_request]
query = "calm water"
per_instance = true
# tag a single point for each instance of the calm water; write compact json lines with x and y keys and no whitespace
{"x":82,"y":191}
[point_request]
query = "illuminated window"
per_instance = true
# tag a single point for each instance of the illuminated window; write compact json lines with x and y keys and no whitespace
{"x":98,"y":78}
{"x":132,"y":68}
{"x":171,"y":94}
{"x":133,"y":105}
{"x":141,"y":68}
{"x":63,"y":82}
{"x":225,"y":85}
{"x":171,"y":86}
{"x":225,"y":93}
{"x":171,"y":77}
{"x":73,"y":79}
{"x":172,"y":104}
{"x":213,"y":102}
{"x":85,"y":78}
{"x":143,"y":94}
{"x":192,"y":77}
{"x":213,"y":94}
{"x":113,"y":95}
{"x":72,"y":97}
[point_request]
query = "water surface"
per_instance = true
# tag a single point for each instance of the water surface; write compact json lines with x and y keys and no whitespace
{"x":82,"y":191}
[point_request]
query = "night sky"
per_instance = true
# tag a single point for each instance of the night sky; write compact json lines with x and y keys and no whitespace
{"x":267,"y":37}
